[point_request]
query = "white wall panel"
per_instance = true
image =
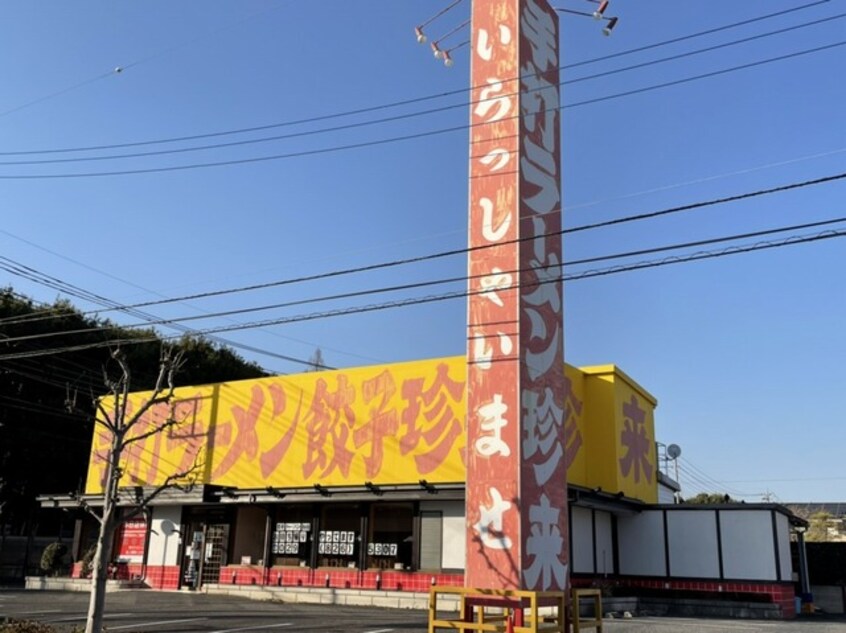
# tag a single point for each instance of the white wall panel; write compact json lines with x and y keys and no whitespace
{"x":692,"y":540}
{"x":666,"y":495}
{"x":783,"y":535}
{"x":454,"y":545}
{"x":164,"y":537}
{"x":748,"y":548}
{"x":604,"y":543}
{"x":582,"y":540}
{"x":641,"y":544}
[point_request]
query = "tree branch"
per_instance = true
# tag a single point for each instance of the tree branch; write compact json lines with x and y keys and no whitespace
{"x":82,"y":503}
{"x":171,"y":482}
{"x":169,"y":364}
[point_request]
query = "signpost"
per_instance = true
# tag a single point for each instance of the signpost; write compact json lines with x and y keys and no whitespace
{"x":516,"y":500}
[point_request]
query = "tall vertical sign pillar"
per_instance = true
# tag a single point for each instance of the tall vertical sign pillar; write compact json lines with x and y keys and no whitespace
{"x":516,"y":500}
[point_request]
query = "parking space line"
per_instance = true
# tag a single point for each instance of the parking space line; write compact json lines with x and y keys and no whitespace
{"x":159,"y":623}
{"x":698,"y":624}
{"x":85,"y":617}
{"x":379,"y":631}
{"x":253,"y":628}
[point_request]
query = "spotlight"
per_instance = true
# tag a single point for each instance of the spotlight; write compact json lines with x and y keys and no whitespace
{"x":610,"y":26}
{"x":437,"y":52}
{"x":421,"y":38}
{"x":447,"y":59}
{"x":597,"y":15}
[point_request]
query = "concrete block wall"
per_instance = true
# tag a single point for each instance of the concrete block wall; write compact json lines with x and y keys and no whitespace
{"x":331,"y":595}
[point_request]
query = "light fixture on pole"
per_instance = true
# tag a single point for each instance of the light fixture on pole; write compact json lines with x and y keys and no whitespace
{"x":598,"y":14}
{"x":418,"y":30}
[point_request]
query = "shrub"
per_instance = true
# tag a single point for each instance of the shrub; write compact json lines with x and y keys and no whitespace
{"x":25,"y":626}
{"x":52,"y":557}
{"x":87,"y":562}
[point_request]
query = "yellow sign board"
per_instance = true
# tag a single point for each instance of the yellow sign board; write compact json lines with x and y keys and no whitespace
{"x":386,"y":424}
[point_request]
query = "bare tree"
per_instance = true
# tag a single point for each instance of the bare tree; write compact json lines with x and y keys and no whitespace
{"x":122,"y":423}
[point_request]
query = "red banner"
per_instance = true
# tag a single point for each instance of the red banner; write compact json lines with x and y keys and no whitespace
{"x":130,"y":541}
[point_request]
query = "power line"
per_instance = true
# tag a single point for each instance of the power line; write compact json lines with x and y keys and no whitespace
{"x":120,"y":69}
{"x":464,"y":278}
{"x":411,"y":101}
{"x":57,"y":93}
{"x":67,"y":288}
{"x":714,"y":482}
{"x":362,"y":144}
{"x":466,"y":250}
{"x":715,"y":73}
{"x":707,"y":49}
{"x":406,"y":116}
{"x":51,"y":310}
{"x":407,"y":137}
{"x":697,"y":181}
{"x":454,"y":295}
{"x":711,"y":31}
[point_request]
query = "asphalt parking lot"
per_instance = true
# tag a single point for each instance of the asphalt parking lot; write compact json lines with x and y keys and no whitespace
{"x":186,"y":612}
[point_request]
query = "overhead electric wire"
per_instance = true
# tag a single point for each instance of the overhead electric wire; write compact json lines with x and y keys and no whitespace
{"x":686,"y":463}
{"x":404,"y":102}
{"x":699,"y":51}
{"x":449,"y":280}
{"x":55,"y":376}
{"x":120,"y":69}
{"x":405,"y":137}
{"x":715,"y":73}
{"x":466,"y":250}
{"x":790,"y":241}
{"x":691,"y":36}
{"x":406,"y":116}
{"x":697,"y":181}
{"x":241,"y":346}
{"x":67,"y":288}
{"x":57,"y":93}
{"x":41,"y":409}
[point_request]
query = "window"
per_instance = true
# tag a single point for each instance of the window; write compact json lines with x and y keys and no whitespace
{"x":291,"y":540}
{"x":391,"y":540}
{"x":338,"y":540}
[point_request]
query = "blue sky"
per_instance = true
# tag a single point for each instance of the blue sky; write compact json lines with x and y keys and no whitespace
{"x":744,"y":353}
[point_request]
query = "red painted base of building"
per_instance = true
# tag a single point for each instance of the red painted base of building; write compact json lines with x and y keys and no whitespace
{"x":167,"y":577}
{"x":782,"y":594}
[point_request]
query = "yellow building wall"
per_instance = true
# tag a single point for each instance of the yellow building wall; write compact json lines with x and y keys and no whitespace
{"x":621,"y":434}
{"x":387,"y":424}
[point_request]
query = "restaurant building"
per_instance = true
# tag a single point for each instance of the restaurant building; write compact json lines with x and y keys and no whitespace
{"x":355,"y":479}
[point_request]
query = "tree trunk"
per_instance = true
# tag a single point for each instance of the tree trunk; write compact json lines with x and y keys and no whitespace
{"x":105,"y":540}
{"x":99,"y":576}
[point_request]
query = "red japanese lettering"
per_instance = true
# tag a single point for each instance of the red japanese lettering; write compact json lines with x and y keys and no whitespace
{"x":439,"y":427}
{"x":382,"y":423}
{"x":246,"y":438}
{"x":330,"y":417}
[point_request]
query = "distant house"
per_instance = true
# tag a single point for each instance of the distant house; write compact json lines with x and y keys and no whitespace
{"x":827,"y":520}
